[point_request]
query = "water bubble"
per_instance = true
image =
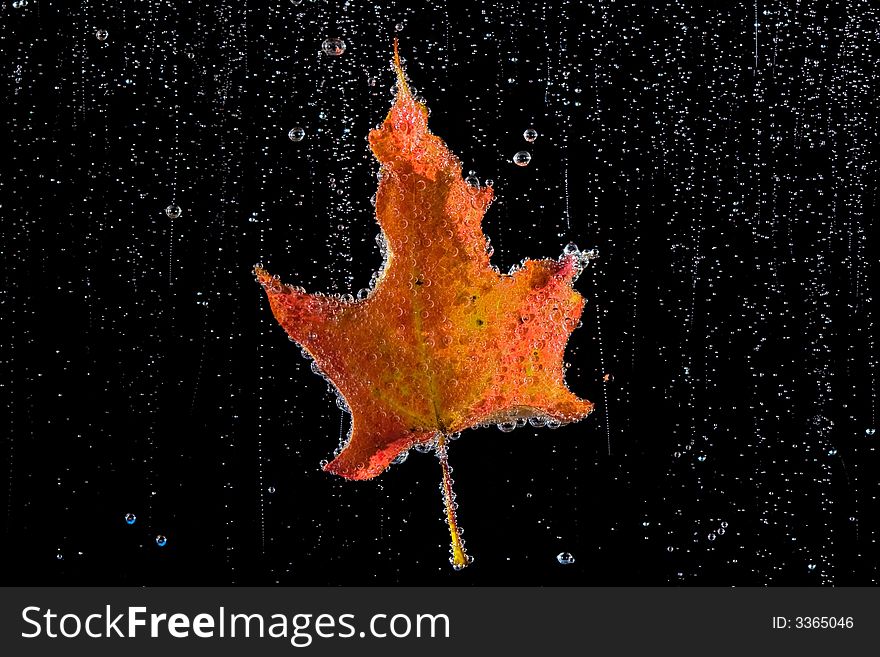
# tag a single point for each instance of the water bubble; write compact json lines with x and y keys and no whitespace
{"x":571,"y":249}
{"x":130,"y":518}
{"x":811,"y":566}
{"x":530,"y":135}
{"x":701,"y":458}
{"x":271,"y":490}
{"x":522,"y":158}
{"x":173,"y":211}
{"x":101,"y":35}
{"x":712,"y":536}
{"x":472,"y":181}
{"x":870,"y":431}
{"x":489,"y":182}
{"x":161,"y":541}
{"x":400,"y":458}
{"x":506,"y":427}
{"x":296,"y":134}
{"x":832,"y":452}
{"x":333,"y":47}
{"x":537,"y":421}
{"x":565,"y":558}
{"x":398,"y":27}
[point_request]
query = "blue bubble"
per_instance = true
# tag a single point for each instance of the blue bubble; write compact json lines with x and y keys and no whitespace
{"x":161,"y":541}
{"x":130,"y":518}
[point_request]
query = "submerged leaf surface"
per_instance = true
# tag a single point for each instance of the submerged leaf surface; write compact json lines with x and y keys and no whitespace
{"x":443,"y":341}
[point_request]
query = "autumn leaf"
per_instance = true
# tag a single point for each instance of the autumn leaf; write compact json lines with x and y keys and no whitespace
{"x":444,"y":341}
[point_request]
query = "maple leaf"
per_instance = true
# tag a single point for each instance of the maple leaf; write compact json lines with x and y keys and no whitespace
{"x":443,"y":341}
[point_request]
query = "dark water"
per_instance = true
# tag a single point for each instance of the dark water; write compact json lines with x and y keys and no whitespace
{"x":723,"y":161}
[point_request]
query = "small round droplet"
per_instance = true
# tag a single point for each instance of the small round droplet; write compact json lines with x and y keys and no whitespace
{"x":161,"y":541}
{"x":870,"y":431}
{"x":398,"y":27}
{"x":296,"y":134}
{"x":565,"y":558}
{"x":571,"y":249}
{"x":530,"y":135}
{"x":507,"y":427}
{"x":101,"y":35}
{"x":173,"y":211}
{"x":811,"y":566}
{"x":712,"y":536}
{"x":522,"y":158}
{"x":130,"y":518}
{"x":271,"y":490}
{"x":333,"y":47}
{"x":472,"y":181}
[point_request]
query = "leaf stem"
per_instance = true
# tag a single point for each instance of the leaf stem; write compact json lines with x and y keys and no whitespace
{"x":459,"y":558}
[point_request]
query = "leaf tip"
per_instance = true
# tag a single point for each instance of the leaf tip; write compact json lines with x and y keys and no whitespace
{"x":263,"y":277}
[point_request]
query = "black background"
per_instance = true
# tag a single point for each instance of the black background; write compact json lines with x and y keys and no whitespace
{"x":726,"y":171}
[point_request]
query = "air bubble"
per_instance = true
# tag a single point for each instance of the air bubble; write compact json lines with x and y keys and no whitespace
{"x":333,"y":47}
{"x":522,"y":158}
{"x":565,"y":558}
{"x":296,"y":134}
{"x":530,"y":135}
